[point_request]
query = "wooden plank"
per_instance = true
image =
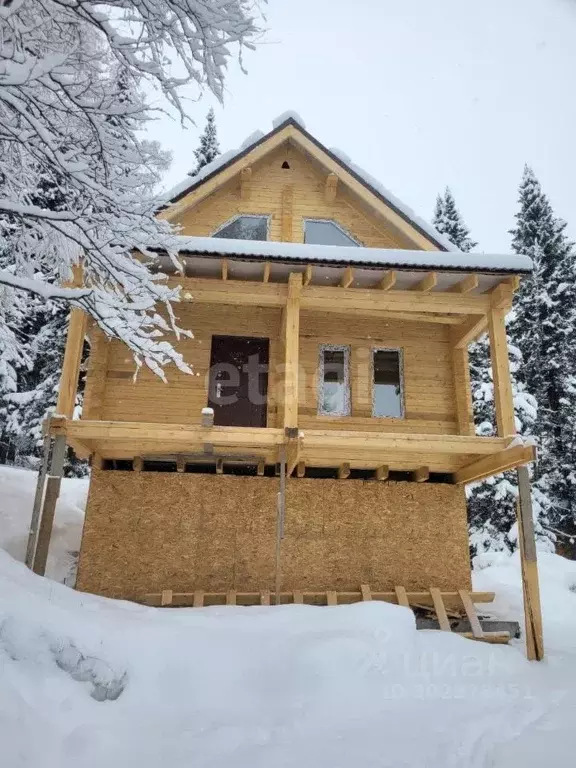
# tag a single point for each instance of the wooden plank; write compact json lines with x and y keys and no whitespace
{"x":291,"y":350}
{"x":261,"y":467}
{"x":308,"y":274}
{"x":366,"y":593}
{"x":224,"y":269}
{"x":68,"y":385}
{"x":388,"y":281}
{"x":331,"y":188}
{"x":137,"y":464}
{"x":287,"y":213}
{"x":421,"y":475}
{"x":495,"y":464}
{"x":301,"y":469}
{"x":199,"y":598}
{"x":440,"y":609}
{"x":497,"y":638}
{"x":38,"y":498}
{"x":463,"y":335}
{"x":180,"y":463}
{"x":265,"y":597}
{"x":529,"y":563}
{"x":347,"y":277}
{"x":331,"y":598}
{"x":266,"y":272}
{"x":166,"y":597}
{"x":503,"y":397}
{"x":467,"y":284}
{"x":46,"y":522}
{"x":343,"y":471}
{"x":219,"y":466}
{"x":382,"y":472}
{"x":462,"y":391}
{"x":298,"y":597}
{"x":475,"y":625}
{"x":426,"y":284}
{"x":231,"y":597}
{"x":402,"y":597}
{"x":245,"y":183}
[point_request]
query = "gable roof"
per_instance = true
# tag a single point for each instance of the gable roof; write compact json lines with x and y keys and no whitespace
{"x":292,"y":120}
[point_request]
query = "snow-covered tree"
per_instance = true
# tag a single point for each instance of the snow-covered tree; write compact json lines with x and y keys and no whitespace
{"x":209,"y":148}
{"x":543,"y":326}
{"x":71,"y":112}
{"x":449,"y":222}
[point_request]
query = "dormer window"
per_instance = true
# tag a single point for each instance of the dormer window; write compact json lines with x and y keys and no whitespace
{"x":244,"y":227}
{"x":326,"y":232}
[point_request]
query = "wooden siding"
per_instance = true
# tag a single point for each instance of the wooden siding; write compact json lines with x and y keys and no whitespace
{"x":299,"y":192}
{"x":429,"y":393}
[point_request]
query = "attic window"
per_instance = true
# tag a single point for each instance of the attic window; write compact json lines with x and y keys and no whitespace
{"x":326,"y":232}
{"x":244,"y":227}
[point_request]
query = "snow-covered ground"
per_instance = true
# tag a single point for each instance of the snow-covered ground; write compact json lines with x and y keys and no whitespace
{"x":88,"y":682}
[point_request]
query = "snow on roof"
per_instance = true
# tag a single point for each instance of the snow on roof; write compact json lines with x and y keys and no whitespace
{"x":341,"y":157}
{"x":336,"y":254}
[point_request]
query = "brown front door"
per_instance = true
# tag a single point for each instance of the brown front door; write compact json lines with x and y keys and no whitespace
{"x":238,"y":381}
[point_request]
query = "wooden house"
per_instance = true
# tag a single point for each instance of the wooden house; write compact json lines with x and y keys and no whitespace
{"x":321,"y":449}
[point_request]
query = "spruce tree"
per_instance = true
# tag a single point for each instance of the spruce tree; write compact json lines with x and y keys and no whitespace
{"x":543,"y":327}
{"x":449,"y":222}
{"x":209,"y":147}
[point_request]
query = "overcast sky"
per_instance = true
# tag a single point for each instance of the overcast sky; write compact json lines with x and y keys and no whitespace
{"x":421,"y":93}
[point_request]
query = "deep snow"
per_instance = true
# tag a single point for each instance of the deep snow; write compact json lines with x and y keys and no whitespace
{"x":90,"y":682}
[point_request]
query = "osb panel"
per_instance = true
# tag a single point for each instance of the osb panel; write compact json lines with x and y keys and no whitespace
{"x":308,"y":201}
{"x":147,"y":531}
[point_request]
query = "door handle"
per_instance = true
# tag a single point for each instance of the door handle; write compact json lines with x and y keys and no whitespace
{"x":218,"y":390}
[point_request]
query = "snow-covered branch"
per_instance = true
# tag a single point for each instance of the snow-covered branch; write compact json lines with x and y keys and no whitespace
{"x":76,"y":179}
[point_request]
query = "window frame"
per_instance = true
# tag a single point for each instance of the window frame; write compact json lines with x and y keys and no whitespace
{"x":237,"y":216}
{"x":337,"y":225}
{"x":400,"y":352}
{"x":346,"y":349}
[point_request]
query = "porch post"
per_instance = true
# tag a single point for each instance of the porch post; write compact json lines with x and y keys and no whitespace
{"x":503,"y":399}
{"x":291,"y":337}
{"x":528,"y":559}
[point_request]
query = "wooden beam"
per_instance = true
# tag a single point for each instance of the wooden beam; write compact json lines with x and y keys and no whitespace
{"x":292,"y":455}
{"x":476,"y":627}
{"x":308,"y":273}
{"x":467,"y":284}
{"x":219,"y":466}
{"x":291,"y":350}
{"x":180,"y":464}
{"x":388,"y":281}
{"x":331,"y":597}
{"x":137,"y":464}
{"x":402,"y":597}
{"x":421,"y":475}
{"x":260,"y":468}
{"x":347,"y":277}
{"x":287,"y":228}
{"x":529,"y":563}
{"x":68,"y":385}
{"x":428,"y":282}
{"x":331,"y":188}
{"x":440,"y":609}
{"x":343,"y":471}
{"x":501,"y":296}
{"x":366,"y":593}
{"x":199,"y":598}
{"x":301,"y":469}
{"x":266,"y":272}
{"x":224,"y":269}
{"x":503,"y":397}
{"x":53,"y":482}
{"x":495,"y":464}
{"x":245,"y":183}
{"x":166,"y":597}
{"x":38,"y":498}
{"x":382,"y":472}
{"x":463,"y":335}
{"x":462,"y":391}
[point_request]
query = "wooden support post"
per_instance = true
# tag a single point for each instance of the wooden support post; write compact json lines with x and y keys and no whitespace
{"x":138,"y":464}
{"x":301,"y":469}
{"x":382,"y":472}
{"x":421,"y":474}
{"x":503,"y":399}
{"x":281,"y":512}
{"x":166,"y":597}
{"x":199,"y":598}
{"x":308,"y":274}
{"x":180,"y":464}
{"x":343,"y":471}
{"x":266,"y":272}
{"x":462,"y":391}
{"x":529,"y":562}
{"x":440,"y":609}
{"x":38,"y":497}
{"x":347,"y":277}
{"x":366,"y":593}
{"x":71,"y":363}
{"x":49,"y":505}
{"x":224,"y":269}
{"x":219,"y":466}
{"x":291,"y":348}
{"x":402,"y":596}
{"x":260,"y":468}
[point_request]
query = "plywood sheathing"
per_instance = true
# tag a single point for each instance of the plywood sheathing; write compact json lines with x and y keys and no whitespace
{"x":146,"y":532}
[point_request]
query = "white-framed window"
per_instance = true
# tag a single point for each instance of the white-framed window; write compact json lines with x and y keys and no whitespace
{"x":326,"y":232}
{"x":334,"y":380}
{"x":245,"y":226}
{"x":387,"y":383}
